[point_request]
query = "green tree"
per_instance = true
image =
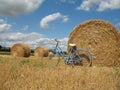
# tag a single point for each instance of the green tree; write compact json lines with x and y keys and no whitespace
{"x":0,"y":47}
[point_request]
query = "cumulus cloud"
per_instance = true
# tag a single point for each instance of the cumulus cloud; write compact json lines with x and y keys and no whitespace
{"x":2,"y":20}
{"x":99,"y":5}
{"x":25,"y":28}
{"x":69,"y":1}
{"x":65,"y":18}
{"x":109,"y":4}
{"x":44,"y":23}
{"x":16,"y":7}
{"x":9,"y":38}
{"x":4,"y":26}
{"x":33,"y":39}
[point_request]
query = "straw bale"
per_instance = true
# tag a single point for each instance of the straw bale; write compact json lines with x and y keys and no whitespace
{"x":50,"y":54}
{"x":41,"y":51}
{"x":101,"y":38}
{"x":20,"y":50}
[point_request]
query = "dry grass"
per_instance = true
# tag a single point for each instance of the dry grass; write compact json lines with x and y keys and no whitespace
{"x":35,"y":74}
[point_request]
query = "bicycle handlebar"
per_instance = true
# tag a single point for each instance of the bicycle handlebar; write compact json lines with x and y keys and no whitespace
{"x":57,"y":40}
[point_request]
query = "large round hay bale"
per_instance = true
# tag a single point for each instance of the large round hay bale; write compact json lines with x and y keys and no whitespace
{"x":20,"y":50}
{"x":101,"y":38}
{"x":41,"y":51}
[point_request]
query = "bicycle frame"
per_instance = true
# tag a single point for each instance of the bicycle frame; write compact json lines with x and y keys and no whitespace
{"x":59,"y":51}
{"x":68,"y":59}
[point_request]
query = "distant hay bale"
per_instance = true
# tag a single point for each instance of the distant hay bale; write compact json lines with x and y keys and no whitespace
{"x":20,"y":50}
{"x":41,"y":52}
{"x":50,"y":54}
{"x":101,"y":38}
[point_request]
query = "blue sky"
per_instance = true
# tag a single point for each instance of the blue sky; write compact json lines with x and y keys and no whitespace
{"x":38,"y":22}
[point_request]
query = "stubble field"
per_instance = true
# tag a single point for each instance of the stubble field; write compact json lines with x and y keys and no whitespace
{"x":42,"y":74}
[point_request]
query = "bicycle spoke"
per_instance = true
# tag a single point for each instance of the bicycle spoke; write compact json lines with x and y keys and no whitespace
{"x":87,"y":57}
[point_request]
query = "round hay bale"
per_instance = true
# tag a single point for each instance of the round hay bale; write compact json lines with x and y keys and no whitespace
{"x":20,"y":50}
{"x":101,"y":38}
{"x":50,"y":54}
{"x":41,"y":52}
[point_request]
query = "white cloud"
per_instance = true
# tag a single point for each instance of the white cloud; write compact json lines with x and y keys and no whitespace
{"x":65,"y":18}
{"x":99,"y":5}
{"x":109,"y":4}
{"x":2,"y":20}
{"x":9,"y":38}
{"x":4,"y":26}
{"x":44,"y":23}
{"x":88,"y":4}
{"x":16,"y":7}
{"x":69,"y":1}
{"x":32,"y":39}
{"x":25,"y":28}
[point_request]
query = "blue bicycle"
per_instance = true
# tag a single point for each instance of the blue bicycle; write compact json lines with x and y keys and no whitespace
{"x":75,"y":56}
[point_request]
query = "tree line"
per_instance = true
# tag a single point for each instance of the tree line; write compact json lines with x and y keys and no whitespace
{"x":5,"y":49}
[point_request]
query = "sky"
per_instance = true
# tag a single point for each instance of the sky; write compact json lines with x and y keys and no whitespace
{"x":39,"y":22}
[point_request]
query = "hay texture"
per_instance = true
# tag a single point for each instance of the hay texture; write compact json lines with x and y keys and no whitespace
{"x":41,"y":51}
{"x":20,"y":50}
{"x":101,"y":38}
{"x":50,"y":54}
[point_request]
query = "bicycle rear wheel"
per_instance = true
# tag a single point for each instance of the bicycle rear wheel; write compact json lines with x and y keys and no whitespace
{"x":86,"y":57}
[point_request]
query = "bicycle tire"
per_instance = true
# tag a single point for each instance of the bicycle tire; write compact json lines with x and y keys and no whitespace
{"x":86,"y":56}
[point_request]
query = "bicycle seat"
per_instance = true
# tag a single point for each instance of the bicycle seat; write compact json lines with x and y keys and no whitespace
{"x":71,"y":44}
